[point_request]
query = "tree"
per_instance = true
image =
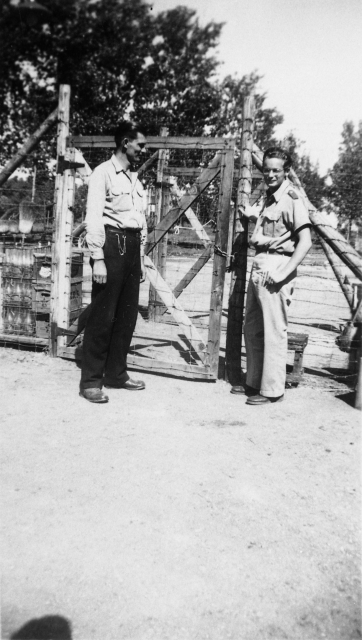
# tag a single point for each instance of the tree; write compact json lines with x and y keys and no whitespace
{"x":121,"y":60}
{"x":308,"y":173}
{"x":345,"y":191}
{"x":228,"y":120}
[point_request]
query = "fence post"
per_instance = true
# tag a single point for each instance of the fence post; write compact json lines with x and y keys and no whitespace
{"x":333,"y":261}
{"x":62,"y":224}
{"x":159,"y":254}
{"x":219,"y":263}
{"x":240,"y":248}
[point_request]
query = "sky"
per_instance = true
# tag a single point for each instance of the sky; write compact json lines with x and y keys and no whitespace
{"x":309,"y":53}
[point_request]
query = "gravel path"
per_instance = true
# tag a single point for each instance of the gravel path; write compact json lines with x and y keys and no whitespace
{"x":178,"y":513}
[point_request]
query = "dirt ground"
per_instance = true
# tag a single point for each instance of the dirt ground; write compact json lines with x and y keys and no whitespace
{"x":178,"y":512}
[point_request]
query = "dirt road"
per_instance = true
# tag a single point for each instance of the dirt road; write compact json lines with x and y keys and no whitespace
{"x":178,"y":513}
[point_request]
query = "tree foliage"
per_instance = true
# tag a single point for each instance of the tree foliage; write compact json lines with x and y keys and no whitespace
{"x":121,"y":60}
{"x":308,"y":173}
{"x":345,"y":191}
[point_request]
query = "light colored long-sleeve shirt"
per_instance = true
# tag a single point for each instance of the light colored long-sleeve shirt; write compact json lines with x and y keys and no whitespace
{"x":116,"y":199}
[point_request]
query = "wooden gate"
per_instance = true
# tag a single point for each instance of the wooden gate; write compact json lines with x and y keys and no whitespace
{"x":205,"y":353}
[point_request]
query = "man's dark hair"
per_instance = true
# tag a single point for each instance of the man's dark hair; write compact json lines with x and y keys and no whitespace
{"x":278,"y":152}
{"x":124,"y":130}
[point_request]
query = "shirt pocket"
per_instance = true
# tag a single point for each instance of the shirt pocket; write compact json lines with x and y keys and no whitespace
{"x":273,"y":224}
{"x":120,"y":198}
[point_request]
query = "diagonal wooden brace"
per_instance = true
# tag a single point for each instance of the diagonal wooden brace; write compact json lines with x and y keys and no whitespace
{"x":175,"y":308}
{"x":202,"y":182}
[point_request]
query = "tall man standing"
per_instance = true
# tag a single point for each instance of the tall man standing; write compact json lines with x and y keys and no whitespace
{"x":116,"y":235}
{"x":281,"y":239}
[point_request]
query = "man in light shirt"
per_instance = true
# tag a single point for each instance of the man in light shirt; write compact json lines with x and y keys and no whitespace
{"x":116,"y":236}
{"x":281,"y":240}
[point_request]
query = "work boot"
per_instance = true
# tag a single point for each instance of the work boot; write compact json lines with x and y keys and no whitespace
{"x":244,"y":390}
{"x":94,"y":394}
{"x":130,"y":385}
{"x":259,"y":400}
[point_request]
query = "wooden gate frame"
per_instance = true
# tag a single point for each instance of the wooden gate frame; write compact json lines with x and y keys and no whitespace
{"x":223,"y":164}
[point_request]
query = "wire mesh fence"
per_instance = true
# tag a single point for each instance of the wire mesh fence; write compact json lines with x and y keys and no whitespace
{"x":184,"y":261}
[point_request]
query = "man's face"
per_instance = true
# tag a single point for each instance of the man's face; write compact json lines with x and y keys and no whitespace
{"x":274,"y":173}
{"x":135,"y":148}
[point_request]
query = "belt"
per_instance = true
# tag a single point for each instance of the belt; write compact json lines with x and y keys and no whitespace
{"x":275,"y":251}
{"x":115,"y":230}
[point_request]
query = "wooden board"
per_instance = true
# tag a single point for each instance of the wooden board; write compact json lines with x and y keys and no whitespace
{"x":20,"y":339}
{"x":175,"y":308}
{"x":154,"y":142}
{"x":192,"y":273}
{"x":197,"y":226}
{"x":146,"y":364}
{"x":185,"y":202}
{"x":219,"y":265}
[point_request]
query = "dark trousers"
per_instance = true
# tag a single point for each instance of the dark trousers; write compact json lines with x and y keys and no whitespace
{"x":112,"y":315}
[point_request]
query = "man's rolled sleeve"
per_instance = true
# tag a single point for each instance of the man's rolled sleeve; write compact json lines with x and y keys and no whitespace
{"x":97,"y":191}
{"x":300,"y":215}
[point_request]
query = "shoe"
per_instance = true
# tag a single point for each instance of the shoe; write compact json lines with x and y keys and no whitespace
{"x":130,"y":385}
{"x":94,"y":394}
{"x":258,"y":400}
{"x":244,"y":390}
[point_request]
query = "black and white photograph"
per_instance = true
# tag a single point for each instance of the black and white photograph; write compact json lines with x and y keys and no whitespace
{"x":180,"y":319}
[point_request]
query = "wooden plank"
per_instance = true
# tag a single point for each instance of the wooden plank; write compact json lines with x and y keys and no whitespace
{"x":28,"y":146}
{"x":185,"y":202}
{"x":168,"y":367}
{"x":338,"y":243}
{"x":60,"y":220}
{"x":175,"y":308}
{"x":340,"y":276}
{"x":192,"y":273}
{"x":155,"y":142}
{"x":240,"y":248}
{"x":197,"y":226}
{"x":19,"y":339}
{"x":218,"y":274}
{"x":189,"y":172}
{"x":158,"y":253}
{"x":297,"y":341}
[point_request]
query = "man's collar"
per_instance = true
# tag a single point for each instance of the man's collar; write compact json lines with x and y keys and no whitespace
{"x":117,"y":165}
{"x":279,"y":192}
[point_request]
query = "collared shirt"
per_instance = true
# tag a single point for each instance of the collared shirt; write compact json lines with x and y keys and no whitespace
{"x":115,"y":198}
{"x":282,"y":215}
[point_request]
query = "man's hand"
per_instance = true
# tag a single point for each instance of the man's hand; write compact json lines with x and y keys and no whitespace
{"x":100,"y":272}
{"x":274,"y":277}
{"x":143,"y":269}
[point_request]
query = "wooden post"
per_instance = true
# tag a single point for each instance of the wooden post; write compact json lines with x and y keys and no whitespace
{"x":339,"y":244}
{"x":219,"y":266}
{"x":331,"y":256}
{"x":63,"y":226}
{"x":358,"y":398}
{"x":240,"y":248}
{"x":165,"y":205}
{"x":27,"y":147}
{"x":159,"y":253}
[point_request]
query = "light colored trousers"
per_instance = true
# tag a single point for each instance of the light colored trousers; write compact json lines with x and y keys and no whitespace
{"x":266,"y":325}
